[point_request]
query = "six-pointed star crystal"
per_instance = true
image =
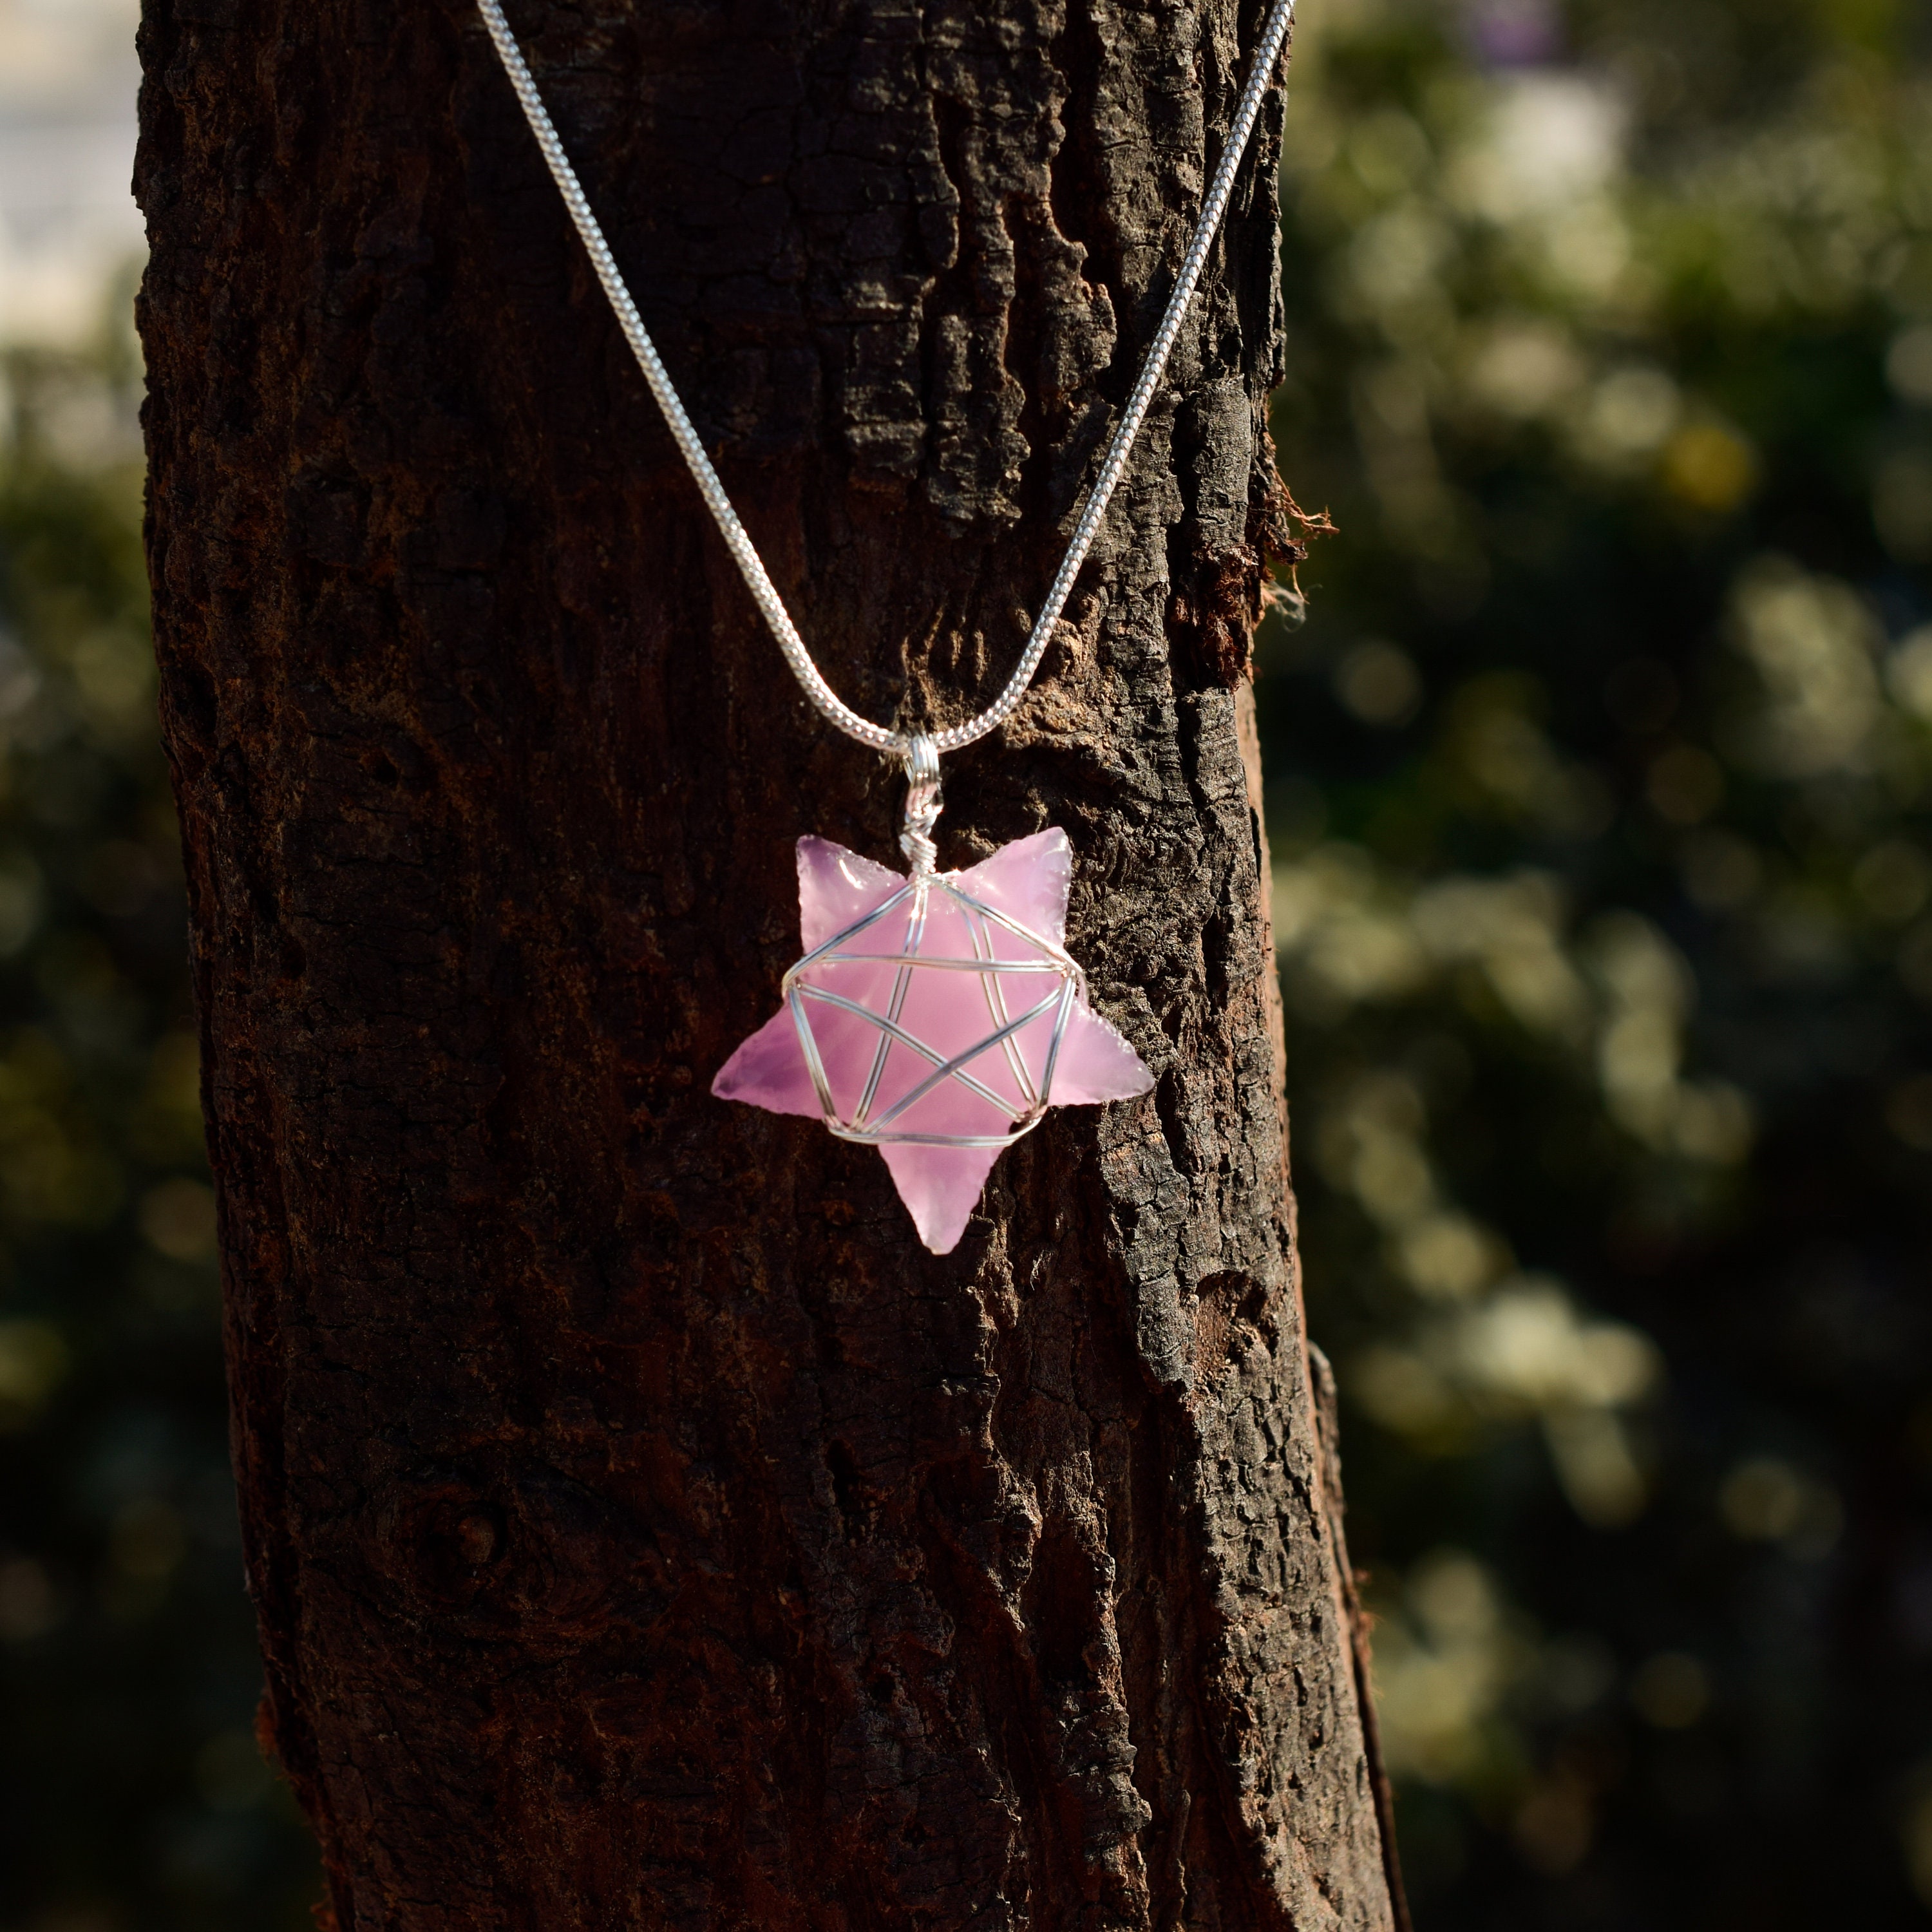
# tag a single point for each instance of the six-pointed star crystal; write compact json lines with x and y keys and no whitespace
{"x":935,"y":1018}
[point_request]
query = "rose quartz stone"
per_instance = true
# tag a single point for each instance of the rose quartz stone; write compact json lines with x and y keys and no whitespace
{"x":949,"y":1011}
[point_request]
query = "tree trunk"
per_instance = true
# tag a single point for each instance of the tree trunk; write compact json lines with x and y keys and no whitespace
{"x":645,"y":1531}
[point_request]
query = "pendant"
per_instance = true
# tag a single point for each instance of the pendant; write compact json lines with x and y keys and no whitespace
{"x":935,"y":1015}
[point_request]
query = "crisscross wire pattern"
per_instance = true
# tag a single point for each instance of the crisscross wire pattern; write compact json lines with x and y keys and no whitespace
{"x":750,"y":565}
{"x":887,"y":1107}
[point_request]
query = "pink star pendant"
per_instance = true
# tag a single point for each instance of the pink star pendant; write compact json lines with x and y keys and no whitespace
{"x":935,"y":1017}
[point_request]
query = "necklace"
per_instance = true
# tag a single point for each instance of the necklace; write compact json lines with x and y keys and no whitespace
{"x":935,"y":1016}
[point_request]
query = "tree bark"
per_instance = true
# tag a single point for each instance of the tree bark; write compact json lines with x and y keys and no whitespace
{"x":645,"y":1531}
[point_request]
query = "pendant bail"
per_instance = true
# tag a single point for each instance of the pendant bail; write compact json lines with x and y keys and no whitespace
{"x":922,"y":805}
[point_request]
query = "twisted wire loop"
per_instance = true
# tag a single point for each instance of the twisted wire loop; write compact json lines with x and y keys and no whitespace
{"x":914,"y":902}
{"x":764,"y":594}
{"x":923,"y":804}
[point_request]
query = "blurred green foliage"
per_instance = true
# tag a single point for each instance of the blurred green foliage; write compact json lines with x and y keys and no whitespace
{"x":132,"y":1794}
{"x":1600,"y":792}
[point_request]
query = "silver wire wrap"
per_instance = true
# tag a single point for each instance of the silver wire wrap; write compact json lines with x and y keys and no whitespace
{"x":914,"y":899}
{"x":922,"y":805}
{"x":1268,"y":55}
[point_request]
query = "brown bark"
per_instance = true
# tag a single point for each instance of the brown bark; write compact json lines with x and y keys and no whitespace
{"x":645,"y":1531}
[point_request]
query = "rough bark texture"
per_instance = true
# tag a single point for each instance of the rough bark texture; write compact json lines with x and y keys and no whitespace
{"x":645,"y":1531}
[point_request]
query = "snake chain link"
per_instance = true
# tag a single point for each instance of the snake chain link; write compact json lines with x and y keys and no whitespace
{"x":1268,"y":55}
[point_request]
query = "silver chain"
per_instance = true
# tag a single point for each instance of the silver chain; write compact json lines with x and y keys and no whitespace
{"x":1268,"y":55}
